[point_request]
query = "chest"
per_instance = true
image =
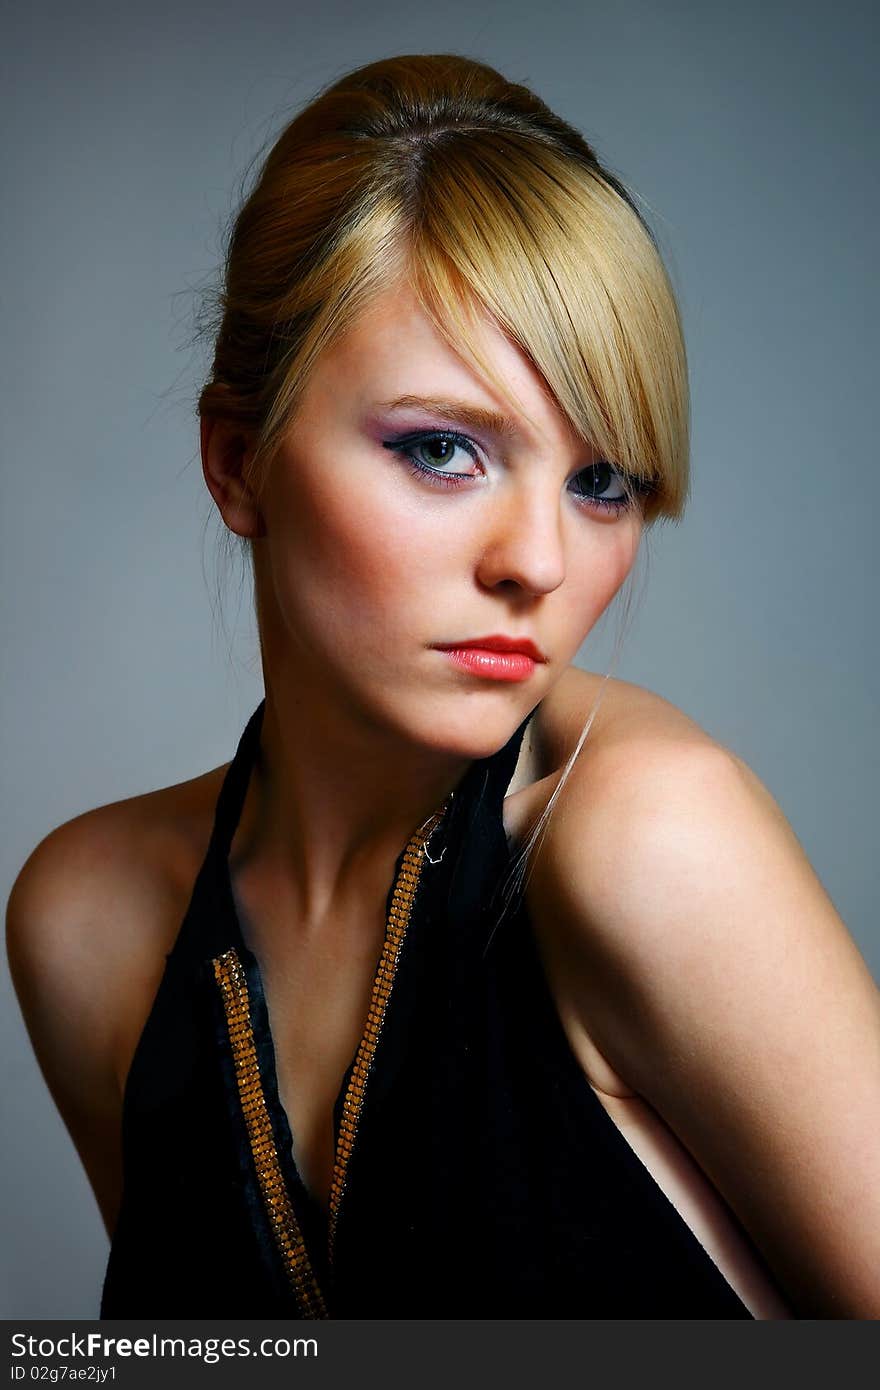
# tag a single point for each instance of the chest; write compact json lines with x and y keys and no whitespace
{"x":319,"y":996}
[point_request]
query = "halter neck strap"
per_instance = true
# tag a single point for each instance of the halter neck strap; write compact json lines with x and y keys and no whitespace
{"x":232,"y":793}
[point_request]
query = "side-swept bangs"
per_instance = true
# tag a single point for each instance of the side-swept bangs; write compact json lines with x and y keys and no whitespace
{"x":568,"y":270}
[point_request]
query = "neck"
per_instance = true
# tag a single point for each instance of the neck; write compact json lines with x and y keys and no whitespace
{"x":330,"y":805}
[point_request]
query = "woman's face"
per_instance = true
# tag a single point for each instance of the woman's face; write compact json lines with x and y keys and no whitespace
{"x":402,"y":519}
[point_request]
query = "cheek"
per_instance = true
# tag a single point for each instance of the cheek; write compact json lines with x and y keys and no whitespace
{"x":357,"y":556}
{"x":598,"y":571}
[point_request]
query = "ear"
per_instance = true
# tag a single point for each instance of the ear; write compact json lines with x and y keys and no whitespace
{"x":226,"y":451}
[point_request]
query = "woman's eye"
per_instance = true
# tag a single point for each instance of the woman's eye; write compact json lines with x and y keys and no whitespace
{"x":601,"y":484}
{"x":445,"y":458}
{"x":441,"y":455}
{"x":439,"y":450}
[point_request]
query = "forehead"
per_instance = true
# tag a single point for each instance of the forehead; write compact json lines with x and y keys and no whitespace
{"x":394,"y":357}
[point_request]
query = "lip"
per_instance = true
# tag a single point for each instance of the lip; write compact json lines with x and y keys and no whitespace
{"x":496,"y":658}
{"x":524,"y":646}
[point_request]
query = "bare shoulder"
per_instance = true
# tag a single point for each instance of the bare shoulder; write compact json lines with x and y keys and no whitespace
{"x":626,"y":721}
{"x":652,"y":794}
{"x":91,"y":916}
{"x":633,"y":733}
{"x":690,"y":942}
{"x":623,"y":714}
{"x":664,"y":849}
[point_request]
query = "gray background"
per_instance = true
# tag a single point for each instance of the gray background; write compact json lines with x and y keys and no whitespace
{"x":749,"y":133}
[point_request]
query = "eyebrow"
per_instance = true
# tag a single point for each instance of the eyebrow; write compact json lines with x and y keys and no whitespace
{"x":462,"y":412}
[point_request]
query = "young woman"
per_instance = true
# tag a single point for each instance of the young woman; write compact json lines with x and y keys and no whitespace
{"x":476,"y":984}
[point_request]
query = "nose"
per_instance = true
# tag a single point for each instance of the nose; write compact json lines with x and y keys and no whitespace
{"x":524,"y":544}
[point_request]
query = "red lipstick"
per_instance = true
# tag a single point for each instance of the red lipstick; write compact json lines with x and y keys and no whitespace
{"x":497,"y":658}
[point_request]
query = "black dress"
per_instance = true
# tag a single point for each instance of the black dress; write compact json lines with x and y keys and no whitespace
{"x":477,"y":1174}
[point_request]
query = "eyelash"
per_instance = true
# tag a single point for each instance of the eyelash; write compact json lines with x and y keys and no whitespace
{"x":614,"y":505}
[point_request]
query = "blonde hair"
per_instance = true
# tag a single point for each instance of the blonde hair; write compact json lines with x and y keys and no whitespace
{"x":436,"y":170}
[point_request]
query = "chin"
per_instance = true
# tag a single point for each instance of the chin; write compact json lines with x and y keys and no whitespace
{"x":474,"y":725}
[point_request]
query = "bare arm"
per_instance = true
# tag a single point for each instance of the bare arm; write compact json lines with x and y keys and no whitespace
{"x":84,"y":928}
{"x":714,"y":973}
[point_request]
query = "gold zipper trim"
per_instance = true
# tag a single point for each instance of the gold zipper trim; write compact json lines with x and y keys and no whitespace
{"x":230,"y":976}
{"x":402,"y":900}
